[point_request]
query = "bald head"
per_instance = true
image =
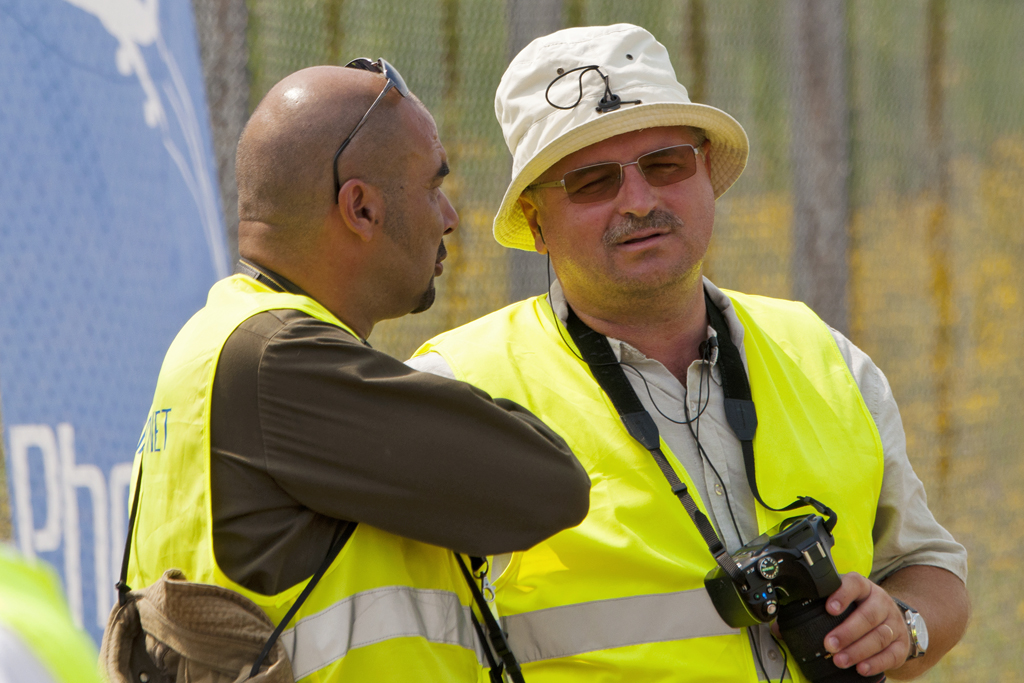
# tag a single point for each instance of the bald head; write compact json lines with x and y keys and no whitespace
{"x":284,"y":174}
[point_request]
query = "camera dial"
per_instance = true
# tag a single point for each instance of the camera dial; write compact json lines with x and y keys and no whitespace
{"x":768,"y":568}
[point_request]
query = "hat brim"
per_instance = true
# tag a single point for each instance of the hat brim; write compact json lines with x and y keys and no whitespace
{"x":728,"y":155}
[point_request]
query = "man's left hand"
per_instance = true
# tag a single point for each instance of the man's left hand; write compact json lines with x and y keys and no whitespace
{"x":874,"y":637}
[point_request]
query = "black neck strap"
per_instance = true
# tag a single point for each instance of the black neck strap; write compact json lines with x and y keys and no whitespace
{"x":495,"y":636}
{"x":122,"y":584}
{"x":598,"y":354}
{"x":346,"y":529}
{"x":267,"y":277}
{"x":739,"y":412}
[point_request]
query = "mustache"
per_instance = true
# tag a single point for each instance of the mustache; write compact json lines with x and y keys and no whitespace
{"x":631,"y":224}
{"x":442,"y":252}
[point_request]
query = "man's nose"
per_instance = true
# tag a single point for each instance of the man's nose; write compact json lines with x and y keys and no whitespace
{"x":636,"y":196}
{"x":451,"y":216}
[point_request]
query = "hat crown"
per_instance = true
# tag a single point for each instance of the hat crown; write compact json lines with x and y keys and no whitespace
{"x":636,"y":64}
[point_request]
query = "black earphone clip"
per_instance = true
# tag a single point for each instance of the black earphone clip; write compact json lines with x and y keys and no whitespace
{"x":609,"y":101}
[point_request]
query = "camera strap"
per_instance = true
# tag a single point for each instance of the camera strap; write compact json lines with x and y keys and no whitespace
{"x":495,"y":636}
{"x":344,"y":532}
{"x":740,"y":412}
{"x":597,"y":353}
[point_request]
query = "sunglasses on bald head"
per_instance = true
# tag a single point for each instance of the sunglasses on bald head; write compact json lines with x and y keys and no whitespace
{"x":601,"y":182}
{"x":394,"y":80}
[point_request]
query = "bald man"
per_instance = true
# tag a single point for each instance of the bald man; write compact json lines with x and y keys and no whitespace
{"x":276,"y":429}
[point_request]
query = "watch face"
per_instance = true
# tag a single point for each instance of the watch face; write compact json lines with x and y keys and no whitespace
{"x":921,"y":631}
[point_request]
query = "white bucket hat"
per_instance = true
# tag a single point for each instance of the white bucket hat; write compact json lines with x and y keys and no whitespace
{"x":637,"y":68}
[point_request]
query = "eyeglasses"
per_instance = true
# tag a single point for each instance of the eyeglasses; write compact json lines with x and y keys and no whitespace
{"x":395,"y":81}
{"x":601,"y":182}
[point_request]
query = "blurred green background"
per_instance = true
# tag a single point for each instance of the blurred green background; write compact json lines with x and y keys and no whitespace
{"x":929,"y":166}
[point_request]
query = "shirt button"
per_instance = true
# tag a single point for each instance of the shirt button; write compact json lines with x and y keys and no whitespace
{"x":718,"y":489}
{"x":773,"y":655}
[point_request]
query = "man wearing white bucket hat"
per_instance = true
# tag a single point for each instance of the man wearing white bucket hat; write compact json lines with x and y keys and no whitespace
{"x":705,"y":418}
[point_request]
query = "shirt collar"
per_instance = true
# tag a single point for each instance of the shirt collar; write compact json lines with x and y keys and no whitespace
{"x":625,"y":352}
{"x":267,"y":277}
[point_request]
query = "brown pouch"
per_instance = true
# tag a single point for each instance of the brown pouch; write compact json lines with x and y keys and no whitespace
{"x":176,"y":631}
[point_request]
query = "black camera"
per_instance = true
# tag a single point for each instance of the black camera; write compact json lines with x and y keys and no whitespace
{"x":787,"y":573}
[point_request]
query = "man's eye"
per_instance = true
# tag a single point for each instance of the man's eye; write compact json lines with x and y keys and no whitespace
{"x":593,"y":186}
{"x":589,"y":181}
{"x":662,"y":167}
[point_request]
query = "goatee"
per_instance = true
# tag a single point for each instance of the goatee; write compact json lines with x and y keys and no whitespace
{"x":427,"y":300}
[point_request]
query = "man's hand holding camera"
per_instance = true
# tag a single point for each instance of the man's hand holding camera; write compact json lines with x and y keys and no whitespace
{"x":874,"y":638}
{"x":877,"y":636}
{"x":868,"y":630}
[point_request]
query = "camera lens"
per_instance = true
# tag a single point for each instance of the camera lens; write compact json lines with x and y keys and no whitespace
{"x":804,"y":625}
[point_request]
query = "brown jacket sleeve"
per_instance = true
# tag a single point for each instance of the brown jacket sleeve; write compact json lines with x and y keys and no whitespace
{"x":310,"y":422}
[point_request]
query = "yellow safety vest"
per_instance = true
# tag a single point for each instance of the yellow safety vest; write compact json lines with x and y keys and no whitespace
{"x":33,"y":606}
{"x":621,"y":596}
{"x":388,"y":609}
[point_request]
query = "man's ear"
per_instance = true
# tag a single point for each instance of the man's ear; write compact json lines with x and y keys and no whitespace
{"x":531,"y":212}
{"x":362,"y":208}
{"x":706,"y":147}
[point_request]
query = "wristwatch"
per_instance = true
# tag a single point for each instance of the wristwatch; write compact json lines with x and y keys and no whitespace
{"x":916,"y":629}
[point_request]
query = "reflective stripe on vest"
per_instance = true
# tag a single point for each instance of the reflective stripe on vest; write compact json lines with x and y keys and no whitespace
{"x":637,"y":545}
{"x":375,"y":615}
{"x":603,"y":624}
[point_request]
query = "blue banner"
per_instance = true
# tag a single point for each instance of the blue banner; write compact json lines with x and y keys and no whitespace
{"x":110,"y":236}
